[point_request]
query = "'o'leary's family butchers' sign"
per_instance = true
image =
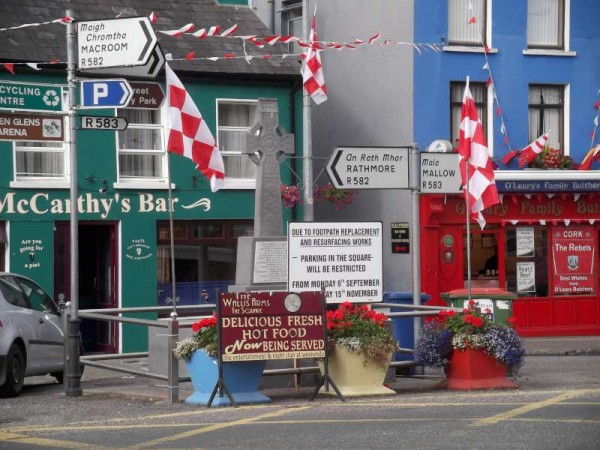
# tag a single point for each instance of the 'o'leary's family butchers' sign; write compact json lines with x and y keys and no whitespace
{"x":276,"y":325}
{"x":42,"y":203}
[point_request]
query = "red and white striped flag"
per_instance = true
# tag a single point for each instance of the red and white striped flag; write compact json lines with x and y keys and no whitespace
{"x":480,"y":192}
{"x":189,"y":135}
{"x":529,"y":153}
{"x":312,"y":72}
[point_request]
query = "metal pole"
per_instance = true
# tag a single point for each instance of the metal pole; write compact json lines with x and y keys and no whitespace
{"x":309,"y":214}
{"x":415,"y":184}
{"x":72,"y":371}
{"x":173,"y":368}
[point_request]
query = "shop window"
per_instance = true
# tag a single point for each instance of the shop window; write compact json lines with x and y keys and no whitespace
{"x":546,"y":114}
{"x":205,"y":259}
{"x":546,"y":24}
{"x":141,"y":148}
{"x":40,"y":161}
{"x":460,"y":31}
{"x":479,"y":93}
{"x":526,"y":261}
{"x":235,"y":118}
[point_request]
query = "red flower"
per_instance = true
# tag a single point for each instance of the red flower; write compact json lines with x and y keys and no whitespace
{"x":477,"y":322}
{"x":443,"y":313}
{"x":511,"y":321}
{"x":469,"y":318}
{"x":471,"y":302}
{"x":450,"y":313}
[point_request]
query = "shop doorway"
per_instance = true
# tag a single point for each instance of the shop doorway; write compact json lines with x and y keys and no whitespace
{"x":486,"y":258}
{"x":98,"y":283}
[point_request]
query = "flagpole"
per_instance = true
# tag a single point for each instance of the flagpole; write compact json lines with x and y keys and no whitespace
{"x":173,"y":314}
{"x":467,"y":211}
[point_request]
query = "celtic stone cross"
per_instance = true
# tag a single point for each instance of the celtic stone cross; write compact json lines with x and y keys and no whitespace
{"x":267,"y":144}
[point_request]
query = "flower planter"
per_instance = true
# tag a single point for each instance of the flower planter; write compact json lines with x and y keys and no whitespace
{"x":241,"y":379}
{"x":353,"y":377}
{"x":474,"y":369}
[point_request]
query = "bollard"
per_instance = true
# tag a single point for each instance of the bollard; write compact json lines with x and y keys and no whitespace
{"x":72,"y":368}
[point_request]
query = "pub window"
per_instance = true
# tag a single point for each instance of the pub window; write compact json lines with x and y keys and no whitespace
{"x":205,"y":258}
{"x":235,"y":118}
{"x":40,"y":161}
{"x":141,"y":149}
{"x":526,"y":261}
{"x":460,"y":31}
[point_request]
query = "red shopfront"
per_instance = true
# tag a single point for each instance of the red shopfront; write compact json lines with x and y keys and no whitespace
{"x":543,"y":247}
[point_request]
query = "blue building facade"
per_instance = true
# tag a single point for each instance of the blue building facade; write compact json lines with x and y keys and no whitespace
{"x":534,"y":68}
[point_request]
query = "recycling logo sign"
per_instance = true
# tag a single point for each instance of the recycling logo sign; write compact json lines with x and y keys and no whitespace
{"x":51,"y":98}
{"x":17,"y":96}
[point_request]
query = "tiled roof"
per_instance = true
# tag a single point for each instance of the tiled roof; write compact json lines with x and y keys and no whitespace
{"x":48,"y":42}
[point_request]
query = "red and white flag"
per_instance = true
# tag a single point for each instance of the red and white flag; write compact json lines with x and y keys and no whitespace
{"x":189,"y":135}
{"x":592,"y":155}
{"x":312,"y":72}
{"x":476,"y":167}
{"x":529,"y":153}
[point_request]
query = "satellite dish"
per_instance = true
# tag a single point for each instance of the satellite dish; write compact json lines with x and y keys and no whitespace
{"x":440,"y":146}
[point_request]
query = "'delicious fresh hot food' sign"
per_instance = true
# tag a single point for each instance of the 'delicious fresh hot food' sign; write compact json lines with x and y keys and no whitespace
{"x":277,"y":325}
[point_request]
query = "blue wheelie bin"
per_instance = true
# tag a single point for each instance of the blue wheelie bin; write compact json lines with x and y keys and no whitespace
{"x":404,"y":327}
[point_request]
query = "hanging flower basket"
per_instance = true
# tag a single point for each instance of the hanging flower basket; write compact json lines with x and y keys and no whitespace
{"x":341,"y":198}
{"x":290,"y":195}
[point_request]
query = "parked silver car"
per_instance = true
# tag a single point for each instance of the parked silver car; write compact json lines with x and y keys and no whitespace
{"x":31,"y":334}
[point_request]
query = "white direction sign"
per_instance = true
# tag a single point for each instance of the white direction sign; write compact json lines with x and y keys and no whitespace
{"x":440,"y":173}
{"x":115,"y":42}
{"x":344,"y":258}
{"x":369,"y":168}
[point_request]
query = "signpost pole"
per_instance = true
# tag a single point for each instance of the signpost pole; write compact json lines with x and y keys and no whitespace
{"x":415,"y":237}
{"x":307,"y":168}
{"x":72,"y":370}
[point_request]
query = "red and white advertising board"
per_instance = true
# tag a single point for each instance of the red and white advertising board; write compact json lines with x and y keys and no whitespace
{"x":573,"y":253}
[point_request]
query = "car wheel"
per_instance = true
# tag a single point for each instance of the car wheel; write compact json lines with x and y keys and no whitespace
{"x":15,"y":372}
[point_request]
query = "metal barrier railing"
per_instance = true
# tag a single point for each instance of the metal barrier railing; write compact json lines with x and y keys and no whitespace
{"x":173,"y":325}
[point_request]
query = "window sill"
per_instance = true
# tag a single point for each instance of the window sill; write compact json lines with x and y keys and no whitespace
{"x":149,"y":185}
{"x":548,"y":52}
{"x":40,"y":184}
{"x":467,"y":49}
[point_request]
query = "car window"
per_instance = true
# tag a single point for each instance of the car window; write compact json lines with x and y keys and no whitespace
{"x":38,"y":299}
{"x":12,"y":292}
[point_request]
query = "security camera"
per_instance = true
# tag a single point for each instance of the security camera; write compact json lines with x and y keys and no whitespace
{"x":104,"y":187}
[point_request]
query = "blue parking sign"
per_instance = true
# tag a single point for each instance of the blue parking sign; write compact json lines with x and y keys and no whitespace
{"x":113,"y":93}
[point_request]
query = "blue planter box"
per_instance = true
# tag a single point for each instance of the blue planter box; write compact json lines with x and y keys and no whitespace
{"x":241,"y":379}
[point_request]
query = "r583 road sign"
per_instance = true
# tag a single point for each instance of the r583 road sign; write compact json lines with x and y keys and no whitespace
{"x":114,"y":93}
{"x":103,"y":123}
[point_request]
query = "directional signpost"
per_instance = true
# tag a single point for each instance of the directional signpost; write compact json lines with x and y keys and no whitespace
{"x":114,"y":93}
{"x":32,"y":127}
{"x":103,"y":123}
{"x":18,"y":96}
{"x":149,"y":70}
{"x":369,"y":168}
{"x":115,"y":42}
{"x":440,"y":173}
{"x":146,"y":95}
